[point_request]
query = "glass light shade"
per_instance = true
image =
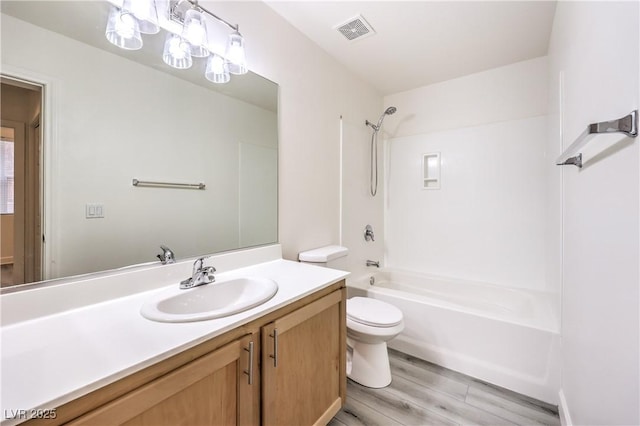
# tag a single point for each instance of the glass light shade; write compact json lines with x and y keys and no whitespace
{"x":235,"y":54}
{"x":176,"y":52}
{"x":145,"y":12}
{"x":195,"y":32}
{"x":217,"y":70}
{"x":123,"y":30}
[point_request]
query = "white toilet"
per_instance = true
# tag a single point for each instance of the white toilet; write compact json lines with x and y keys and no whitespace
{"x":371,"y":323}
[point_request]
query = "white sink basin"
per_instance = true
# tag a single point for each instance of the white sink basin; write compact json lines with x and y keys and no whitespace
{"x":215,"y":300}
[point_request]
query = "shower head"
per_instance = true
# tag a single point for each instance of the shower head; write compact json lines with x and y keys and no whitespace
{"x":388,"y":111}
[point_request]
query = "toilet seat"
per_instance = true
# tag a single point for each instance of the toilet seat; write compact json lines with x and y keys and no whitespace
{"x":372,"y":312}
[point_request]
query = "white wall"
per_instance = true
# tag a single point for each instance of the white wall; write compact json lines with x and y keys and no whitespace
{"x":487,"y":221}
{"x":594,"y":45}
{"x":314,"y":92}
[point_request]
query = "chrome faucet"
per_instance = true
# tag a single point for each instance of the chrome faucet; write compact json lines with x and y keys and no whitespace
{"x":167,"y":256}
{"x":373,"y":263}
{"x":200,"y":275}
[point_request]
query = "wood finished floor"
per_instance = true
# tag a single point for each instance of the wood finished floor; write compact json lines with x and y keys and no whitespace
{"x":422,"y":393}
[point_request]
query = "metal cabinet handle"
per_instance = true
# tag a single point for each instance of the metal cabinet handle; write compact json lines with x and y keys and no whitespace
{"x":275,"y":347}
{"x":249,"y":372}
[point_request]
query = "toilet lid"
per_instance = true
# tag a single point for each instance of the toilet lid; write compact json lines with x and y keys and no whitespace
{"x":375,"y":313}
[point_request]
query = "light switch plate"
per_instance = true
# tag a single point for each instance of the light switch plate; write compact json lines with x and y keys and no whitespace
{"x":94,"y":211}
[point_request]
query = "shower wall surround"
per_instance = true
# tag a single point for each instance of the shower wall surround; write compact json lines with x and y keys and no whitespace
{"x":487,"y":220}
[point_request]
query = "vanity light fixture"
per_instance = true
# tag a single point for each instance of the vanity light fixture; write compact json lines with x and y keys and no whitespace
{"x":177,"y":53}
{"x":217,"y":69}
{"x":183,"y":42}
{"x":194,"y":31}
{"x":145,"y":12}
{"x":123,"y":29}
{"x":235,"y":54}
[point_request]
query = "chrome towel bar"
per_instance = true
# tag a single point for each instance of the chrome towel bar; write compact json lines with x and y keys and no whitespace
{"x":627,"y":125}
{"x":152,"y":184}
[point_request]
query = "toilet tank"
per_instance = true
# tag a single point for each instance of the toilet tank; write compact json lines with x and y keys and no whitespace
{"x":329,"y":256}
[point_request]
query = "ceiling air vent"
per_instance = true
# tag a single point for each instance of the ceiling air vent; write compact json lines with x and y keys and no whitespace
{"x":355,"y":28}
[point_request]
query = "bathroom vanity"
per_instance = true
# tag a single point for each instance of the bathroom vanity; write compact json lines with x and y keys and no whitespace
{"x":282,"y":362}
{"x":286,"y":368}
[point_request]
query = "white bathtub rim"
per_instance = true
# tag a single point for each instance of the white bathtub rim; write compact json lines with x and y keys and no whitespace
{"x":445,"y":305}
{"x":362,"y":281}
{"x":551,"y":323}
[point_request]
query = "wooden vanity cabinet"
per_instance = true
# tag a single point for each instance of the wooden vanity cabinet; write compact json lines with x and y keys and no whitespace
{"x":298,"y":375}
{"x":303,"y":364}
{"x":214,"y":389}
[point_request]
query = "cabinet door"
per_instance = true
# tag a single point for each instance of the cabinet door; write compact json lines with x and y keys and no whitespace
{"x":211,"y":390}
{"x":303,"y":364}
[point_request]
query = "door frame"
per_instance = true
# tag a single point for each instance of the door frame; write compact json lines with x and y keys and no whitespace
{"x":33,"y":212}
{"x":48,"y":160}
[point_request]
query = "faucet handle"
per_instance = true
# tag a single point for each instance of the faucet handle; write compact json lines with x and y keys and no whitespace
{"x":166,"y":256}
{"x":198,"y":264}
{"x":208,"y":274}
{"x":368,"y":233}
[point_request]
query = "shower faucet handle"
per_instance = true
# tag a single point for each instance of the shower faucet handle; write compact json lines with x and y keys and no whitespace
{"x":368,"y":233}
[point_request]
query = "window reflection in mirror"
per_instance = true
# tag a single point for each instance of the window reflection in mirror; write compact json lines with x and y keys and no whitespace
{"x":6,"y":204}
{"x":6,"y":170}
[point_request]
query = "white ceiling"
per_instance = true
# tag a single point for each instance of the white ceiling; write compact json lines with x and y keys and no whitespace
{"x":423,"y":42}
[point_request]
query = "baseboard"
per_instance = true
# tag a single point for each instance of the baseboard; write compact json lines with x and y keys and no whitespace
{"x":563,"y":410}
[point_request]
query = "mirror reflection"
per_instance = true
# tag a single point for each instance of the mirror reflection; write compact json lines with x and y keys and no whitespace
{"x":110,"y":116}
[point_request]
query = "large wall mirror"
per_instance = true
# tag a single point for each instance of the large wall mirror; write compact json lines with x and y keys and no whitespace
{"x":121,"y":115}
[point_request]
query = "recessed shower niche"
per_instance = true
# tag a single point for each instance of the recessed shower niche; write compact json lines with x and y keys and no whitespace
{"x":431,"y":170}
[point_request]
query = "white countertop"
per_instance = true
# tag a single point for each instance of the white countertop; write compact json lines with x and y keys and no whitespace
{"x":51,"y":360}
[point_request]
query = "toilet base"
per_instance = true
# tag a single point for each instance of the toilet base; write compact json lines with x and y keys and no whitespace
{"x":369,"y":364}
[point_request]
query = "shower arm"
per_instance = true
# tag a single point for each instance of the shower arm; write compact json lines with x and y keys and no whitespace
{"x":373,"y":126}
{"x":376,"y":127}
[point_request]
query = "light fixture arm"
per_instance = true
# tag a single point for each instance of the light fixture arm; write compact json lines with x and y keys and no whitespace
{"x":177,"y":13}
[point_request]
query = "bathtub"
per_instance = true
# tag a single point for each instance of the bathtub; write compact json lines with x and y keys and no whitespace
{"x":508,"y":337}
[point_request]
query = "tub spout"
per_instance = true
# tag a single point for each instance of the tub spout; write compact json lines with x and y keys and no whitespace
{"x":373,"y":263}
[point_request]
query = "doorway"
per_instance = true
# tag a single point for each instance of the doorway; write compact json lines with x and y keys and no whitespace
{"x":20,"y":182}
